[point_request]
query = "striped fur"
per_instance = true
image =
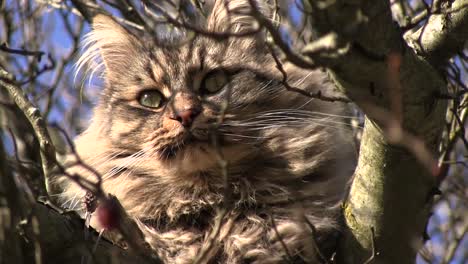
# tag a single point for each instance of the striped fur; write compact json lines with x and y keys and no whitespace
{"x":288,"y":157}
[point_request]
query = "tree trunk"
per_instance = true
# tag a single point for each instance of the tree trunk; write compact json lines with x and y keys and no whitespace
{"x":387,"y":208}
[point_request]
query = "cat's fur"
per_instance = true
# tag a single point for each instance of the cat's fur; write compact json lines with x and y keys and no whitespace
{"x":287,"y":156}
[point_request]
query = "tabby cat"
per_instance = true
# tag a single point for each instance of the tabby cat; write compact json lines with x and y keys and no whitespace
{"x":184,"y":128}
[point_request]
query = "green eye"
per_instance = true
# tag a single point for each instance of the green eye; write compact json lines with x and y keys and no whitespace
{"x":214,"y":81}
{"x":151,"y":99}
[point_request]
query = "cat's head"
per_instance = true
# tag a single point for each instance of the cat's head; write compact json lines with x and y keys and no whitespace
{"x":194,"y":101}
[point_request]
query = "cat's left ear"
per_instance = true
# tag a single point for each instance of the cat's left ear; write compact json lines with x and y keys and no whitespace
{"x":109,"y":43}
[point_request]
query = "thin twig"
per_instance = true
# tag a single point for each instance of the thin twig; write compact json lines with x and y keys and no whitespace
{"x":214,"y":234}
{"x":456,"y":243}
{"x":47,"y":149}
{"x":317,"y":95}
{"x":280,"y":239}
{"x":375,"y":253}
{"x":23,"y":52}
{"x":313,"y":232}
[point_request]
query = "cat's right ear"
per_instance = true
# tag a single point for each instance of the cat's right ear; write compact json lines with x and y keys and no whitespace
{"x":236,"y":16}
{"x":109,"y":45}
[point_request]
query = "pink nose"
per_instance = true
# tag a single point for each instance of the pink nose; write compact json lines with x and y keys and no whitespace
{"x":186,"y":117}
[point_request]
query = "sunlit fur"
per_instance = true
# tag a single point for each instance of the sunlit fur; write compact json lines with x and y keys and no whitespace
{"x":288,"y":156}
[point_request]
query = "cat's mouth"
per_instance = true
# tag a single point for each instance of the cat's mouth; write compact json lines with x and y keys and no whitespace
{"x":196,"y":152}
{"x":184,"y":142}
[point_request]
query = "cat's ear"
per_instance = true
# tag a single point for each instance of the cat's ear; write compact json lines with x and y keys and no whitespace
{"x":109,"y":45}
{"x":236,"y":15}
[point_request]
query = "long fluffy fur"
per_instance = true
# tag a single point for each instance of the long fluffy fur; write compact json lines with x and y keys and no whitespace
{"x":289,"y":157}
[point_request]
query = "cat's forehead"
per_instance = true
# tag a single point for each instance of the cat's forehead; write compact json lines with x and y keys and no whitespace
{"x":202,"y":54}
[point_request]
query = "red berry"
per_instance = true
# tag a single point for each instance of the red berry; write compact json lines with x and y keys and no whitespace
{"x":108,"y":215}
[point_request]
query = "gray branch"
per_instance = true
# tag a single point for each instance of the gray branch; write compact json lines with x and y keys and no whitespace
{"x":443,"y":35}
{"x":32,"y":113}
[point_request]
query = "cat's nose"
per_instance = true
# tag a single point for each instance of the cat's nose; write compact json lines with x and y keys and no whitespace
{"x":186,"y":117}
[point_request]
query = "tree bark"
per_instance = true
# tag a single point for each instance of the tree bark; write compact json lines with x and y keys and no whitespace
{"x":387,"y":208}
{"x":443,"y":36}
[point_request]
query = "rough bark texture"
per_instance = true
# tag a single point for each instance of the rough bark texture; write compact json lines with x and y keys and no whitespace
{"x":444,"y":35}
{"x":391,"y":191}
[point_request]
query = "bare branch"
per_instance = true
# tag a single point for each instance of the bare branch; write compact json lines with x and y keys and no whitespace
{"x":444,"y":35}
{"x":23,"y":52}
{"x":38,"y":124}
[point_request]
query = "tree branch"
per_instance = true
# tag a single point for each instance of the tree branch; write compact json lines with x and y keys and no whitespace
{"x":32,"y":113}
{"x":395,"y":89}
{"x":443,"y":35}
{"x":64,"y":236}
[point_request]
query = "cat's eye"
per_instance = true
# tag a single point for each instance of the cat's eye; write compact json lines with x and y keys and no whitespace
{"x":151,"y":99}
{"x":214,"y":81}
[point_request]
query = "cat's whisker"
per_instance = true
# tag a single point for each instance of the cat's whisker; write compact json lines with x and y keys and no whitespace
{"x":76,"y":200}
{"x":282,"y":120}
{"x":127,"y":162}
{"x":69,"y":201}
{"x":133,"y":161}
{"x":243,"y":136}
{"x":300,"y":82}
{"x":293,"y":123}
{"x":105,"y":157}
{"x":289,"y":112}
{"x":291,"y":117}
{"x":305,"y":104}
{"x":272,"y":123}
{"x":266,"y":121}
{"x":57,"y":194}
{"x":264,"y":88}
{"x":303,"y":120}
{"x":298,"y":110}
